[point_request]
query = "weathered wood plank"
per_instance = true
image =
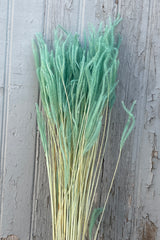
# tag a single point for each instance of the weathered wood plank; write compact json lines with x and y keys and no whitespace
{"x":132,"y":212}
{"x":3,"y":30}
{"x":24,"y":18}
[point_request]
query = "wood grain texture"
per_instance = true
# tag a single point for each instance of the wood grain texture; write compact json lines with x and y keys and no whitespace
{"x":19,"y":22}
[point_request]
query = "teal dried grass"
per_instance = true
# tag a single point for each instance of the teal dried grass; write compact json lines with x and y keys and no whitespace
{"x":77,"y":88}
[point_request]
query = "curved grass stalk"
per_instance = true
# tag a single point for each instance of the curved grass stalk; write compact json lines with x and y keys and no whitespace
{"x":126,"y":132}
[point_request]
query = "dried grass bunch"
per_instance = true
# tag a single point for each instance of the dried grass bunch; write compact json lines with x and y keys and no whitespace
{"x":77,"y":88}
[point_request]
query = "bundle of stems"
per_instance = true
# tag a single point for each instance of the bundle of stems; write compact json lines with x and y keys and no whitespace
{"x":77,"y":87}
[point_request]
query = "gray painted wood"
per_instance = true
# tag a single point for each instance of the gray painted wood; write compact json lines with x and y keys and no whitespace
{"x":19,"y":20}
{"x":133,"y":210}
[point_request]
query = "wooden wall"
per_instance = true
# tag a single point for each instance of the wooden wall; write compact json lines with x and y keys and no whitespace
{"x":133,"y":210}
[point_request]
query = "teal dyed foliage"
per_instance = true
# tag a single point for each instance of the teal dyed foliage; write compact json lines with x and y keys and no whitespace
{"x":95,"y":214}
{"x":77,"y":82}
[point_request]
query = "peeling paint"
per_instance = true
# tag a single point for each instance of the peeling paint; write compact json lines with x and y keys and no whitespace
{"x":10,"y":237}
{"x":155,"y":154}
{"x":148,"y":230}
{"x":68,"y":4}
{"x":150,"y":180}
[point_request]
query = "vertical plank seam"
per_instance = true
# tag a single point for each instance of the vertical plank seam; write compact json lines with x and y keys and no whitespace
{"x":141,"y":119}
{"x":37,"y":140}
{"x":80,"y":26}
{"x":46,"y":16}
{"x":145,"y":74}
{"x":5,"y":104}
